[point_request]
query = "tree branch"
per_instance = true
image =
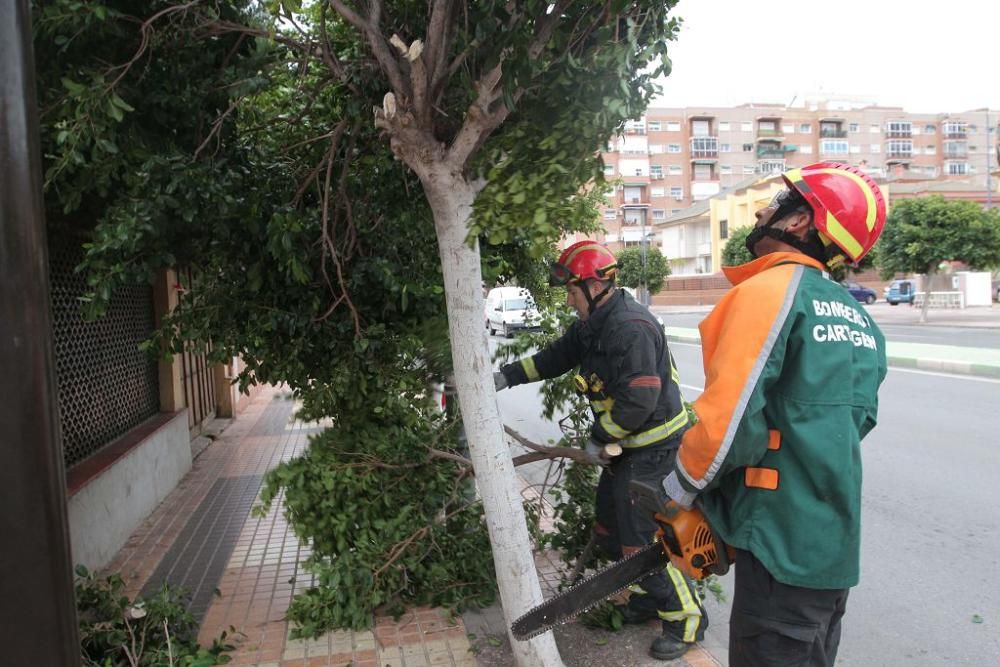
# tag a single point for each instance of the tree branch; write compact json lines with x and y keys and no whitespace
{"x":377,"y":42}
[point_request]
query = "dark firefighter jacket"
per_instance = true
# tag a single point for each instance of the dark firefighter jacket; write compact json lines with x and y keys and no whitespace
{"x":626,"y":369}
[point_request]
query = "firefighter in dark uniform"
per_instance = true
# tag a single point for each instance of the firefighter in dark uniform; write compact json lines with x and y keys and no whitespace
{"x":627,"y":373}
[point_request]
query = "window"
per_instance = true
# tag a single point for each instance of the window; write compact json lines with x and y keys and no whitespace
{"x":833,"y":147}
{"x":806,"y":150}
{"x":788,"y":128}
{"x":930,"y":150}
{"x":673,"y":148}
{"x":723,"y":229}
{"x":875,"y":129}
{"x":724,"y":126}
{"x":748,"y":169}
{"x":654,"y":126}
{"x":930,"y":129}
{"x":767,"y":127}
{"x":610,"y":214}
{"x":747,"y":148}
{"x":674,"y":210}
{"x":656,"y":171}
{"x":725,"y":148}
{"x":609,"y":170}
{"x":855,"y":148}
{"x":900,"y":148}
{"x":677,"y":192}
{"x":655,"y":148}
{"x":875,"y":148}
{"x":854,"y":127}
{"x":805,"y":128}
{"x":900,"y":128}
{"x":915,"y":130}
{"x":958,"y":168}
{"x":701,"y":128}
{"x":746,"y":127}
{"x":702,"y":172}
{"x":675,"y":170}
{"x":726,"y":169}
{"x":656,"y":192}
{"x":659,"y":214}
{"x":673,"y":126}
{"x":639,"y":171}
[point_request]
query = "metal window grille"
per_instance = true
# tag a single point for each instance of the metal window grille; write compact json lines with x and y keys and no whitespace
{"x":106,"y":384}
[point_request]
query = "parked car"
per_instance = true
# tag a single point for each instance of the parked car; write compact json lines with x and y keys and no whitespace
{"x":901,"y":291}
{"x":510,"y":309}
{"x":860,"y":292}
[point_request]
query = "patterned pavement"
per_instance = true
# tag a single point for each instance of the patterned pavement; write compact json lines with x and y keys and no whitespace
{"x":243,"y":570}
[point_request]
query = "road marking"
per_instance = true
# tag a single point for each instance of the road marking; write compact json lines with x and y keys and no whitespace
{"x":956,"y":376}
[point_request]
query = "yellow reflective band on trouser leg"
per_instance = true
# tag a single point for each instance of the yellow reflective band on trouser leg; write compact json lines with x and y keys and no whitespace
{"x":529,"y":369}
{"x":613,"y":429}
{"x":657,"y":433}
{"x":689,"y":612}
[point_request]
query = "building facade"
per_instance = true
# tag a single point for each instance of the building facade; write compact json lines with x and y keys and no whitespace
{"x":670,"y":162}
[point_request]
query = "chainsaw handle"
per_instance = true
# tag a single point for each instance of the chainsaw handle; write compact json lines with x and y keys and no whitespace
{"x":648,"y":497}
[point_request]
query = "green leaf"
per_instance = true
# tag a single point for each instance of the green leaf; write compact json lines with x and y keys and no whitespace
{"x":976,"y":618}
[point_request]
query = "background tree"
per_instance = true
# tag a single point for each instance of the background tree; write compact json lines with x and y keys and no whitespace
{"x":314,"y":236}
{"x":735,"y":251}
{"x":631,"y":272}
{"x":923,"y":232}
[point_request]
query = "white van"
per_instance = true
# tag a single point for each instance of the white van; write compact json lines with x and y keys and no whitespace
{"x":509,"y":309}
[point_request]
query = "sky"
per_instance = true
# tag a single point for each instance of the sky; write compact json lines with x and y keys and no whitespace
{"x":927,"y":57}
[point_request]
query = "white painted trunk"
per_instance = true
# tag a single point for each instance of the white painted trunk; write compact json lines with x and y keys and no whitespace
{"x":451,"y":200}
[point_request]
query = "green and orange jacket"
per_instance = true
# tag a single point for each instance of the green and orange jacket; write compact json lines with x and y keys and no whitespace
{"x":792,"y":369}
{"x":625,"y":369}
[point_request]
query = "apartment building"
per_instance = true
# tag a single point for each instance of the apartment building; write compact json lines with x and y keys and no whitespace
{"x":673,"y":158}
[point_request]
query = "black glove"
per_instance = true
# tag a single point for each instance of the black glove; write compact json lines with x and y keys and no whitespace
{"x":499,"y":380}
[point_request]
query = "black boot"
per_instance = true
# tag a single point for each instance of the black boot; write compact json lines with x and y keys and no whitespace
{"x":668,"y":647}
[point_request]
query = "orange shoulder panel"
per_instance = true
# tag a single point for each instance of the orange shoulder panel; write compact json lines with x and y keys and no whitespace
{"x":732,"y":338}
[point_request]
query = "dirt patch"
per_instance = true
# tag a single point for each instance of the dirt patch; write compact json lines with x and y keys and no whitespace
{"x":581,"y":646}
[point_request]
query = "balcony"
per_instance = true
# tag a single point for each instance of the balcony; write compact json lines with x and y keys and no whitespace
{"x":899,"y":156}
{"x":704,"y":148}
{"x":769,"y":133}
{"x":955,"y":131}
{"x":770,"y":151}
{"x":899,"y":134}
{"x":833,"y":134}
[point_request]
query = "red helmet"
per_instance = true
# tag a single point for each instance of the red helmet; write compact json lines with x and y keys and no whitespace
{"x":584,"y":260}
{"x":848,"y":207}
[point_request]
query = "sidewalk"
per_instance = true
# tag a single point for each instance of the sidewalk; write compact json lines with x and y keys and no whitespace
{"x":243,"y":571}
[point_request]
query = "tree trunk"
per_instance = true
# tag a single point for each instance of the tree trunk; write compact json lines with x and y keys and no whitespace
{"x":451,"y":199}
{"x":928,"y":280}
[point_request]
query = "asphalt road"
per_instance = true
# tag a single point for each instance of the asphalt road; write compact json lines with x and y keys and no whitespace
{"x":930,"y":588}
{"x":904,"y":333}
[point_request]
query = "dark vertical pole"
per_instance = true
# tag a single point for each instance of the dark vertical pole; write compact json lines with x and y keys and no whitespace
{"x":37,"y":606}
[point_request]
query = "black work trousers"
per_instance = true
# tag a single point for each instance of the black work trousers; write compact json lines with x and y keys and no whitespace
{"x":777,"y":625}
{"x":621,"y":528}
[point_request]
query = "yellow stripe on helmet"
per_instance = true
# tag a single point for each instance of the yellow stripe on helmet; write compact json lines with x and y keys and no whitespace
{"x":865,"y":188}
{"x":841,"y":236}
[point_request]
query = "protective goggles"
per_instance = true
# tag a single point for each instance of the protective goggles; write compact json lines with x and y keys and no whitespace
{"x":786,"y":202}
{"x":560,"y":275}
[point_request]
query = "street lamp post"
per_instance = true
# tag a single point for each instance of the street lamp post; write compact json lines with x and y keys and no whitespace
{"x":644,"y":294}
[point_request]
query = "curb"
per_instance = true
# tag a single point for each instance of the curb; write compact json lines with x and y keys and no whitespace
{"x":937,"y":365}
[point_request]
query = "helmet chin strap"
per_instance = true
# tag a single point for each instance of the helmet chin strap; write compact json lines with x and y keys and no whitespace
{"x":814,"y":245}
{"x":592,"y":301}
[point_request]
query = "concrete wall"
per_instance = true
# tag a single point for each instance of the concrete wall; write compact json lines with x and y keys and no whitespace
{"x":111,"y":506}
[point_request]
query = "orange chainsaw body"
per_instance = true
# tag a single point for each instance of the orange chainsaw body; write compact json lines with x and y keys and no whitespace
{"x":694,"y":548}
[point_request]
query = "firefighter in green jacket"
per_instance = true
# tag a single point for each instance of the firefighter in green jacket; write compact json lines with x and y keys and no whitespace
{"x":793,"y":365}
{"x":626,"y":372}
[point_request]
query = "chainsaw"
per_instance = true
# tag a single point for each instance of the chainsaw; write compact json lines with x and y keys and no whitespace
{"x":683,"y":537}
